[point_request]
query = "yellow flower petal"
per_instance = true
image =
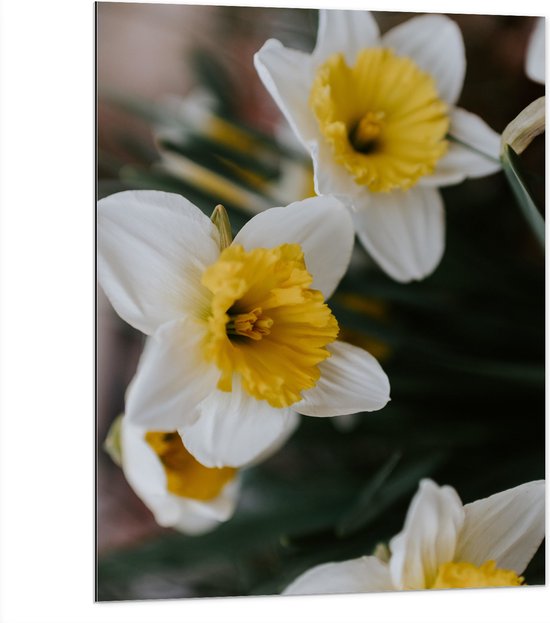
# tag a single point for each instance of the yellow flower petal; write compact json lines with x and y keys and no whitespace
{"x":266,"y":323}
{"x":382,"y":118}
{"x":466,"y":575}
{"x":185,"y":476}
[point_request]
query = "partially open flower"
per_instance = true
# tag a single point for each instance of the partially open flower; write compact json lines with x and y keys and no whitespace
{"x":240,"y":336}
{"x":445,"y":545}
{"x":378,"y":116}
{"x":180,"y":492}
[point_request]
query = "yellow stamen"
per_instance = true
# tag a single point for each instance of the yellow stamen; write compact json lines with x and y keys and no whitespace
{"x":363,"y":136}
{"x":382,"y":118}
{"x":266,"y":324}
{"x":252,"y":324}
{"x":466,"y":575}
{"x":185,"y":476}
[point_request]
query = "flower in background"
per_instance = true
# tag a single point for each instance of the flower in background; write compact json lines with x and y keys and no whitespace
{"x":180,"y":492}
{"x":445,"y":545}
{"x":240,"y":335}
{"x":225,"y":159}
{"x":535,"y":65}
{"x":378,"y":116}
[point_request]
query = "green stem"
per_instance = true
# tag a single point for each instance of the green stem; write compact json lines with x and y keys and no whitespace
{"x":510,"y":164}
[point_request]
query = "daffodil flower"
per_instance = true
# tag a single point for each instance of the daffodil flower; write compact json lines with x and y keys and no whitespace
{"x":240,"y":336}
{"x":379,"y":117}
{"x":180,"y":492}
{"x":445,"y":545}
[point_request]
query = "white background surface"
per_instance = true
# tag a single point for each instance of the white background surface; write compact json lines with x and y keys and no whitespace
{"x":47,"y":349}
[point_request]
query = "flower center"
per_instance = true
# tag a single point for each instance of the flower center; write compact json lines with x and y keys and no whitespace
{"x":185,"y":476}
{"x":253,"y":324}
{"x":368,"y":129}
{"x":266,"y":324}
{"x":382,"y":118}
{"x":466,"y":575}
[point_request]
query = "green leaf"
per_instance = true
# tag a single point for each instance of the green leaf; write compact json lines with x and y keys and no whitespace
{"x":511,"y":166}
{"x":353,"y":519}
{"x":376,"y":499}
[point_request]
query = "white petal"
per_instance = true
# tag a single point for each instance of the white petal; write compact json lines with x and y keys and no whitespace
{"x":347,"y":32}
{"x":191,"y":519}
{"x":535,"y":61}
{"x":234,"y":429}
{"x":322,"y":227}
{"x":146,"y":476}
{"x":403,"y":231}
{"x":507,"y":527}
{"x":331,"y":178}
{"x":476,"y":153}
{"x":172,"y":378}
{"x":141,"y":466}
{"x":361,"y":575}
{"x":435,"y":43}
{"x":196,"y":517}
{"x":223,"y":506}
{"x":351,"y":381}
{"x":472,"y":130}
{"x":287,"y":75}
{"x":428,"y":539}
{"x":152,"y":249}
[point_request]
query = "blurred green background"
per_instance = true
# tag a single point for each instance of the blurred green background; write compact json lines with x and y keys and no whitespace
{"x":464,"y":349}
